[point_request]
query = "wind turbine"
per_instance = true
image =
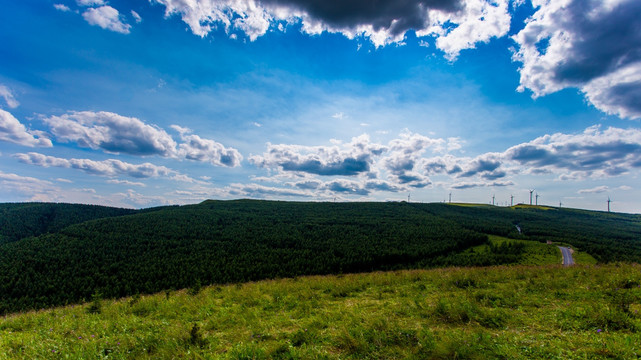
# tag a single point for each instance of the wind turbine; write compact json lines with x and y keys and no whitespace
{"x":537,"y":199}
{"x":609,"y":201}
{"x":493,"y":199}
{"x":450,"y":197}
{"x":531,"y":191}
{"x":511,"y":200}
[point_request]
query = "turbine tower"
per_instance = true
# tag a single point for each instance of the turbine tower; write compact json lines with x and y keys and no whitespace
{"x":609,"y":201}
{"x":537,"y":199}
{"x":408,"y":197}
{"x":511,"y":200}
{"x":450,"y":197}
{"x":493,"y":199}
{"x":531,"y":191}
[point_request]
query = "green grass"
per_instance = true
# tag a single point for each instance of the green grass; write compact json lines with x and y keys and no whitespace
{"x":536,"y":253}
{"x":514,"y":312}
{"x":470,"y":204}
{"x":538,"y":207}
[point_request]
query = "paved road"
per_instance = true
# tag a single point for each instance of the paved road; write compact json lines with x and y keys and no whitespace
{"x":567,"y":256}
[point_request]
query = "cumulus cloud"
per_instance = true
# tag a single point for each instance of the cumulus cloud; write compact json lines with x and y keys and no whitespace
{"x":459,"y":23}
{"x":107,"y":18}
{"x":196,"y":148}
{"x":347,"y":187}
{"x":112,"y":133}
{"x":341,"y":159}
{"x":592,"y":45}
{"x":404,"y":154}
{"x":6,"y":94}
{"x":110,"y":167}
{"x":405,"y":163}
{"x":593,"y":153}
{"x":12,"y":130}
{"x":478,"y":21}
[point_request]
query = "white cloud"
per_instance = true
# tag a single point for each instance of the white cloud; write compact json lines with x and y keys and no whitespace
{"x":112,"y":133}
{"x":110,"y":167}
{"x":478,"y":22}
{"x":592,"y":45}
{"x":136,"y":17}
{"x":90,"y":2}
{"x":595,"y":190}
{"x":349,"y":159}
{"x":61,"y":7}
{"x":593,"y":153}
{"x":126,"y":182}
{"x":12,"y":130}
{"x":196,"y":148}
{"x":6,"y":94}
{"x":107,"y":18}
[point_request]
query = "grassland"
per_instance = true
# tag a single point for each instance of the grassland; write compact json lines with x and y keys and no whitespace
{"x":511,"y":312}
{"x":535,"y":252}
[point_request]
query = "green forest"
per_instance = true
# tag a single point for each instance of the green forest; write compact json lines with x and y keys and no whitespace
{"x":56,"y":254}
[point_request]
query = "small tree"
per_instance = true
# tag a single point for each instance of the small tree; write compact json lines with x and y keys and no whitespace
{"x":96,"y":303}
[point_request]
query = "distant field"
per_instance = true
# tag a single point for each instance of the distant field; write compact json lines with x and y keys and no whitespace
{"x":511,"y":312}
{"x":469,"y":204}
{"x":539,"y":207}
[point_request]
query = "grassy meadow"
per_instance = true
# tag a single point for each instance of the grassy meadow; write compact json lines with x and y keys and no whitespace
{"x":505,"y":312}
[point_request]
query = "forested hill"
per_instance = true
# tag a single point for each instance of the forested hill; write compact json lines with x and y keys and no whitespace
{"x":244,"y":240}
{"x":21,"y":220}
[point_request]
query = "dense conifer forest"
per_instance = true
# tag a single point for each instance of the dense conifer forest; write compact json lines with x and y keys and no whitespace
{"x":120,"y":252}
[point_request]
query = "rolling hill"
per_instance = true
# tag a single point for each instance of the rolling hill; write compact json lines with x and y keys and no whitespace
{"x":217,"y":242}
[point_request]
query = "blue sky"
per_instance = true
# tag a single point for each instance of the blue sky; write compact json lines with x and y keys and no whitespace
{"x":144,"y":103}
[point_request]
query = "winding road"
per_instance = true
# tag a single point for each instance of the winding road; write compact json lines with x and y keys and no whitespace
{"x":567,"y":256}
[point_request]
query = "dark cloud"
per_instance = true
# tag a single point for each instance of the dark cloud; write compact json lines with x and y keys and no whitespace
{"x":382,"y":186}
{"x":481,"y":166}
{"x":395,"y":16}
{"x":308,"y":185}
{"x":345,"y":167}
{"x":608,"y":39}
{"x":459,"y":186}
{"x":593,"y":45}
{"x":346,"y":187}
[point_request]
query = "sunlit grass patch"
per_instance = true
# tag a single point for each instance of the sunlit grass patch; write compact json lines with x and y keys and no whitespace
{"x":515,"y":312}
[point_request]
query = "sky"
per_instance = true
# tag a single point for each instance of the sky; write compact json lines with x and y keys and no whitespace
{"x":141,"y":103}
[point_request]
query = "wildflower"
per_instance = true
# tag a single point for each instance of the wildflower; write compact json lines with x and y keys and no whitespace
{"x":599,"y":330}
{"x":79,"y":337}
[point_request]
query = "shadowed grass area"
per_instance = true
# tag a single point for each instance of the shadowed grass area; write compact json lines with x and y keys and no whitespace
{"x":516,"y":312}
